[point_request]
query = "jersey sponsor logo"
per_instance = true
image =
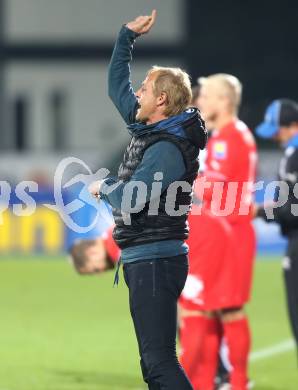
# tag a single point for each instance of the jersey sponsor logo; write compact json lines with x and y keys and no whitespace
{"x":220,"y":150}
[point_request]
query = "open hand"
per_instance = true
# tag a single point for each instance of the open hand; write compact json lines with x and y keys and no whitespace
{"x":142,"y":24}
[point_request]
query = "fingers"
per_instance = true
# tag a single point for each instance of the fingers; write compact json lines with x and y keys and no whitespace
{"x":148,"y":21}
{"x":153,"y":16}
{"x":144,"y":21}
{"x":151,"y":19}
{"x":142,"y":24}
{"x":94,"y":189}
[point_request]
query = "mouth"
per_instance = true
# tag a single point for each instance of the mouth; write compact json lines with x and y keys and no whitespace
{"x":138,"y":110}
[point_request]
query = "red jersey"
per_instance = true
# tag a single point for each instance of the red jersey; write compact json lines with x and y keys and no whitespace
{"x":230,"y":172}
{"x":112,"y":248}
{"x":209,"y":285}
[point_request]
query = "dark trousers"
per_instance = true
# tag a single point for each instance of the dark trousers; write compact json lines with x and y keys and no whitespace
{"x":290,"y":268}
{"x":154,"y":288}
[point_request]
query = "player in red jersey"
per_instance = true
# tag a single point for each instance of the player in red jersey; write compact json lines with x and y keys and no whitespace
{"x":226,"y":190}
{"x":96,"y":255}
{"x":231,"y":168}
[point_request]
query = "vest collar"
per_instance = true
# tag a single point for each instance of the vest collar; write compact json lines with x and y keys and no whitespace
{"x":187,"y":125}
{"x":171,"y":125}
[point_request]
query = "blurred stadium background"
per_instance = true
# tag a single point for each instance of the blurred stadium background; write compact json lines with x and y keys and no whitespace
{"x":62,"y":332}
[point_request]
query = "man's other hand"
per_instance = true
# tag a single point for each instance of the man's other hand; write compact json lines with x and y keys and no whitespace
{"x":94,"y":188}
{"x":142,"y":24}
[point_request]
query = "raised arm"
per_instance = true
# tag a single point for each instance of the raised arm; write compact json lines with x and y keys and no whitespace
{"x":119,"y":84}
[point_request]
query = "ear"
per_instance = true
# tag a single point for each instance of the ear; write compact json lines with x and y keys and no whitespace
{"x":162,"y":99}
{"x":294,"y":128}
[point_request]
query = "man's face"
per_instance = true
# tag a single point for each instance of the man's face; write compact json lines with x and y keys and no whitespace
{"x":147,"y":100}
{"x":285,"y":133}
{"x":210,"y":102}
{"x":282,"y":135}
{"x":96,"y":258}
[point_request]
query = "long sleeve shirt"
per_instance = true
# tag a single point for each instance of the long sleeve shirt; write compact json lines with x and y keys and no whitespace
{"x":163,"y":156}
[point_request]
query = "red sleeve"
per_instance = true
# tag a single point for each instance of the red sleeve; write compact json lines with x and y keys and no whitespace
{"x":111,"y":247}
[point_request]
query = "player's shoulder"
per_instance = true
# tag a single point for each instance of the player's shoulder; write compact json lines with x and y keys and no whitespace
{"x":243,"y":134}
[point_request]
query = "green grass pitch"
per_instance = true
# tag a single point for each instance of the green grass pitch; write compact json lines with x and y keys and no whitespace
{"x":61,"y":331}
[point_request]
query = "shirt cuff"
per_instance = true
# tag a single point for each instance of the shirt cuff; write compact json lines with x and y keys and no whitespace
{"x":105,"y":191}
{"x":125,"y":31}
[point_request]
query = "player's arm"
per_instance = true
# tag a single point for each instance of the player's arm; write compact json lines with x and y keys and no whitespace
{"x":119,"y":84}
{"x":282,"y":209}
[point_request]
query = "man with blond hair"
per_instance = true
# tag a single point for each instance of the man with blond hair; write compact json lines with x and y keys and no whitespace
{"x":216,"y":291}
{"x":151,"y":199}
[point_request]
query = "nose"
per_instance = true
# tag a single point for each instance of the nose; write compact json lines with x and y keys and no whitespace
{"x":138,"y":93}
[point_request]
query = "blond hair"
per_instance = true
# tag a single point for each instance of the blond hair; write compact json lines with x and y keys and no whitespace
{"x":228,"y":84}
{"x":175,"y":83}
